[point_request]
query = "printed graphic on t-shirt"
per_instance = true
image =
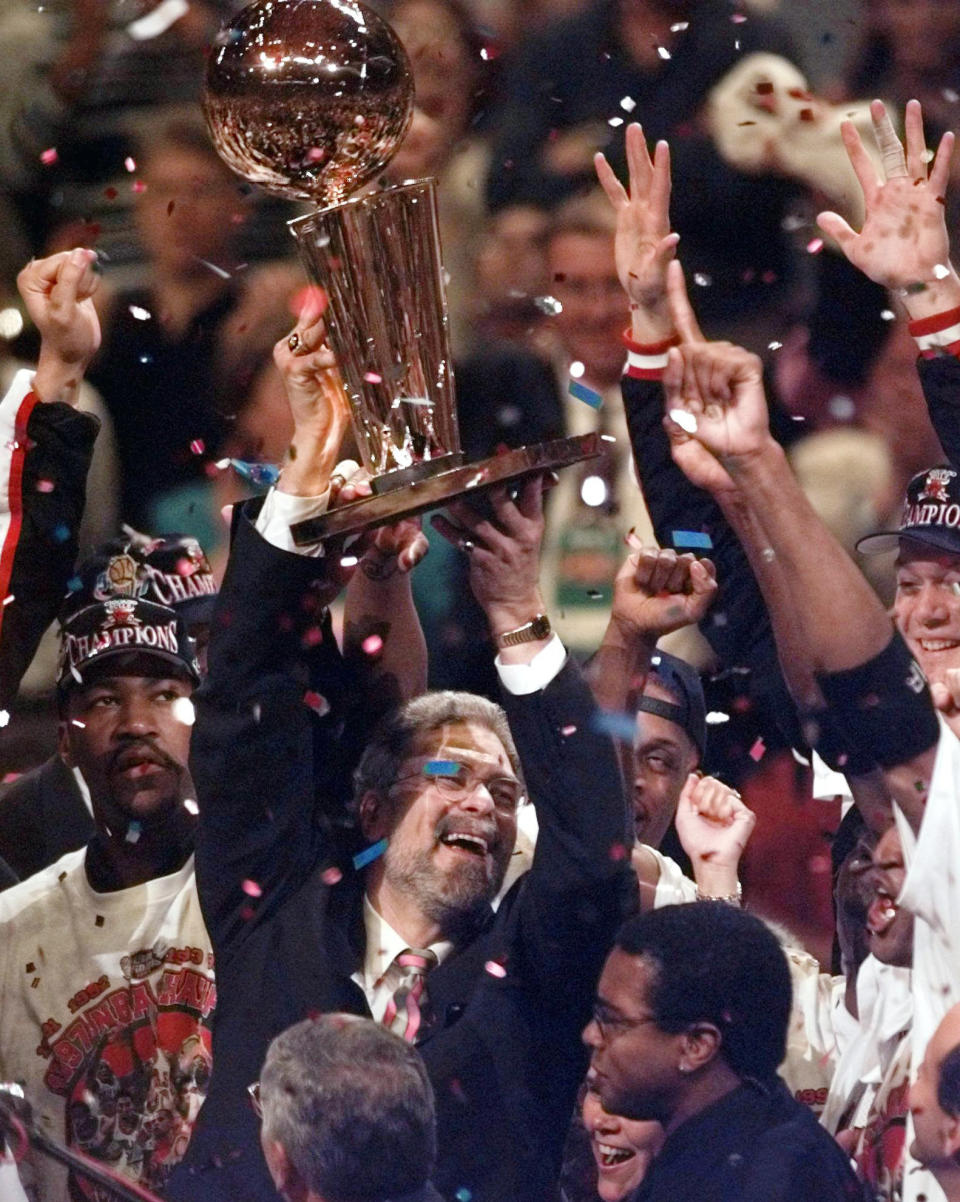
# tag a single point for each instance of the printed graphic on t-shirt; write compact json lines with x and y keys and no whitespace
{"x":133,"y":1064}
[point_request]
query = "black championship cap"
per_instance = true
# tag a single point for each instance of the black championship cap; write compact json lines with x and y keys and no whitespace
{"x":123,"y":626}
{"x":931,"y":515}
{"x":170,"y":570}
{"x":683,"y":681}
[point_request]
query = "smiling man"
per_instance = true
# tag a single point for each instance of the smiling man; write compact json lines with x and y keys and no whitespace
{"x":688,"y":1029}
{"x":927,"y":605}
{"x":106,"y":970}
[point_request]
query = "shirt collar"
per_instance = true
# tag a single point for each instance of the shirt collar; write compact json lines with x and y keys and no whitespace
{"x":384,"y":945}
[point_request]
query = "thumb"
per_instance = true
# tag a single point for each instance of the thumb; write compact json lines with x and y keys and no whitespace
{"x":836,"y":227}
{"x":942,"y":698}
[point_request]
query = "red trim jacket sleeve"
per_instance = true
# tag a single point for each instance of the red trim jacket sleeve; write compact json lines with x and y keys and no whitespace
{"x":45,"y":451}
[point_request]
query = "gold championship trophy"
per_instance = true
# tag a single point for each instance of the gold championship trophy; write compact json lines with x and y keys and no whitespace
{"x":310,"y":99}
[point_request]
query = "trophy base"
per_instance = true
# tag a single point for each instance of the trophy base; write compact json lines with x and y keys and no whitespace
{"x":399,"y":476}
{"x":436,"y":491}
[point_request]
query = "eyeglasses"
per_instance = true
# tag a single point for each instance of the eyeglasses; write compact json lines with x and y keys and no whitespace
{"x":460,"y":782}
{"x":610,"y":1023}
{"x":253,"y":1093}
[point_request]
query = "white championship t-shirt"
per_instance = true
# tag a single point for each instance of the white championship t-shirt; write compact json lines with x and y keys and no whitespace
{"x":107,"y":1005}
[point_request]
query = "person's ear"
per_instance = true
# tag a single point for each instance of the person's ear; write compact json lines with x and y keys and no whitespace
{"x":63,"y":742}
{"x":374,"y":816}
{"x":699,"y":1047}
{"x":286,"y":1179}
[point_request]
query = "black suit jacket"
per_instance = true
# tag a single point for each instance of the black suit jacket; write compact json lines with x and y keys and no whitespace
{"x":503,"y":1051}
{"x":42,"y":817}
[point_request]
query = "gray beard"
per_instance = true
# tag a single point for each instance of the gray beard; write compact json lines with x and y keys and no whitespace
{"x":453,"y":901}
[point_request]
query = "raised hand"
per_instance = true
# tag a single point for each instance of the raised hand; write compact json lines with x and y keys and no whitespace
{"x":318,"y":404}
{"x":58,"y":292}
{"x":714,"y":395}
{"x":904,"y":241}
{"x":644,"y":244}
{"x":658,"y":591}
{"x":713,"y":826}
{"x":503,"y":551}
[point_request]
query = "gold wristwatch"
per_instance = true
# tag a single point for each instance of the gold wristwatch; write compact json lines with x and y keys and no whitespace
{"x":530,"y":632}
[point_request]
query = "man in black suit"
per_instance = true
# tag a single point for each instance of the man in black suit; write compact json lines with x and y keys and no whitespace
{"x":494,"y":1000}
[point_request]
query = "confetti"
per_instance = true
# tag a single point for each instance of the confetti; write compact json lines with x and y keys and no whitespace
{"x":11,"y":323}
{"x":940,"y":272}
{"x":814,"y":246}
{"x":129,"y":164}
{"x":4,"y":718}
{"x":182,"y":711}
{"x":158,"y":20}
{"x":263,"y":475}
{"x":692,"y":538}
{"x":372,"y":377}
{"x":664,"y":53}
{"x":701,"y":279}
{"x":441,"y":768}
{"x":548,"y":305}
{"x":585,"y":394}
{"x":593,"y":491}
{"x":49,"y":156}
{"x":495,"y":970}
{"x":251,"y":889}
{"x":61,"y":533}
{"x":615,"y":122}
{"x":369,"y":854}
{"x":887,"y":315}
{"x":191,"y":806}
{"x":628,"y":104}
{"x":567,"y":731}
{"x":679,"y":26}
{"x":372,"y":644}
{"x":45,"y":486}
{"x":758,"y":750}
{"x":134,"y":830}
{"x":139,"y":314}
{"x":99,"y":920}
{"x":349,"y":561}
{"x":224,"y":275}
{"x":314,"y":701}
{"x":617,"y":852}
{"x":331,"y":876}
{"x":717,"y":718}
{"x":197,"y":446}
{"x":617,"y":725}
{"x":686,"y":421}
{"x":737,"y":18}
{"x":774,"y":346}
{"x":577,"y":369}
{"x":799,"y":758}
{"x":841,"y":407}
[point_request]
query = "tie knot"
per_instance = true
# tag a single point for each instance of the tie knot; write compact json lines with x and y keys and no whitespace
{"x":416,"y":960}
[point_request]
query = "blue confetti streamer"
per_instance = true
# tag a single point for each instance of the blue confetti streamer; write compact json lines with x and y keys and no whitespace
{"x":618,"y":725}
{"x":692,"y":538}
{"x":263,"y":475}
{"x":585,"y":394}
{"x":369,"y":854}
{"x":441,"y":768}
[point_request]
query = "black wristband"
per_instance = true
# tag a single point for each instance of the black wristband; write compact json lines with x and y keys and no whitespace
{"x":885,"y":706}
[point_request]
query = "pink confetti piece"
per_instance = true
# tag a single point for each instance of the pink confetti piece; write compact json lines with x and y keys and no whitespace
{"x":372,"y":645}
{"x":495,"y":969}
{"x":331,"y":876}
{"x":251,"y":889}
{"x":45,"y":486}
{"x":758,"y":750}
{"x":814,"y":246}
{"x":737,"y":18}
{"x":129,"y":164}
{"x":49,"y":156}
{"x":197,"y":446}
{"x":138,"y":186}
{"x":617,"y":852}
{"x":319,"y":705}
{"x":371,"y":377}
{"x":567,"y":731}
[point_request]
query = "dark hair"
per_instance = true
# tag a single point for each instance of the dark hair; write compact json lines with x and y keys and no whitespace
{"x":351,"y":1105}
{"x":948,"y":1086}
{"x":715,"y":963}
{"x":393,"y":740}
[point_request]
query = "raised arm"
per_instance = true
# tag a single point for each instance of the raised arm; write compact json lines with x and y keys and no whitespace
{"x":741,"y":635}
{"x":45,"y":451}
{"x":904,"y":246}
{"x":874,"y":691}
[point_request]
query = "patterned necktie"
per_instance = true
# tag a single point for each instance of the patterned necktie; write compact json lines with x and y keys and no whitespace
{"x":405,"y":1008}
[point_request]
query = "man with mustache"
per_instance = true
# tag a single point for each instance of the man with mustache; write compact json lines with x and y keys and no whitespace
{"x":404,"y":930}
{"x":106,"y":970}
